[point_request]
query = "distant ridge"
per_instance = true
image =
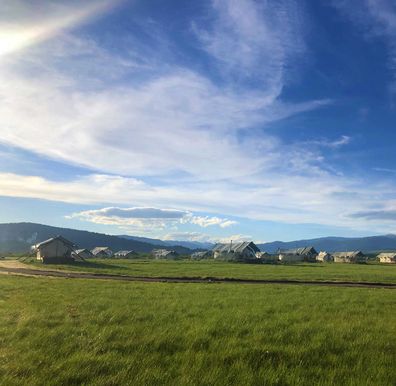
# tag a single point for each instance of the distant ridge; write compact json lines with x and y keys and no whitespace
{"x":18,"y":237}
{"x":333,"y":244}
{"x":166,"y":243}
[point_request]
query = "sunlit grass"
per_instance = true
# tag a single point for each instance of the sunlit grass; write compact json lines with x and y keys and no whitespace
{"x":58,"y":331}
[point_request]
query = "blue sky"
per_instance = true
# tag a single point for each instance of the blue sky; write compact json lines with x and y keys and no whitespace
{"x":210,"y":120}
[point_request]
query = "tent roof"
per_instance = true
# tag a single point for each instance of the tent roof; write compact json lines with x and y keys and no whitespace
{"x":387,"y":254}
{"x":100,"y":249}
{"x":236,"y":247}
{"x":52,"y":239}
{"x":348,"y":254}
{"x":163,"y":252}
{"x":82,"y":250}
{"x":299,"y":251}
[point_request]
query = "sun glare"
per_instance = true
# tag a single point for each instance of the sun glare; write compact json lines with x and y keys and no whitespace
{"x":15,"y":38}
{"x":11,"y":41}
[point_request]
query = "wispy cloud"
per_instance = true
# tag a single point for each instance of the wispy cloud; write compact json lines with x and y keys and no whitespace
{"x":149,"y":122}
{"x":255,"y":40}
{"x":201,"y":136}
{"x":205,"y":221}
{"x":146,"y":217}
{"x":138,"y":217}
{"x":375,"y":215}
{"x":385,"y":170}
{"x":325,"y":199}
{"x":332,"y":144}
{"x":377,"y":19}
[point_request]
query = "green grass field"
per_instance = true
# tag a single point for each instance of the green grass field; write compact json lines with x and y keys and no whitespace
{"x":210,"y":268}
{"x":59,"y":331}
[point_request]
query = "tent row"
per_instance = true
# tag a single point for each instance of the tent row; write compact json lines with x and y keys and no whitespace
{"x":248,"y":251}
{"x":60,"y":250}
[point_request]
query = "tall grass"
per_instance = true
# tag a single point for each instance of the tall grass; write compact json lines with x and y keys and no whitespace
{"x":59,"y":331}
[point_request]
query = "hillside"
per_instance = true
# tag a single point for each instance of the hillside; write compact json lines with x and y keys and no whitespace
{"x":332,"y":244}
{"x":18,"y":237}
{"x":167,"y":243}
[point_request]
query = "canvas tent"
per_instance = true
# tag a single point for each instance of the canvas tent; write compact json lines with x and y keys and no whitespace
{"x":245,"y":250}
{"x":297,"y":254}
{"x":387,"y":257}
{"x":54,"y":250}
{"x":125,"y":254}
{"x":102,"y":252}
{"x":164,"y":254}
{"x":349,"y":257}
{"x":201,"y":255}
{"x":82,"y":253}
{"x":266,"y":257}
{"x":324,"y":257}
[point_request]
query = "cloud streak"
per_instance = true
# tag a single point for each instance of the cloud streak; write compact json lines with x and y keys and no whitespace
{"x":377,"y":19}
{"x":149,"y":122}
{"x":376,"y":215}
{"x":156,"y":133}
{"x":146,"y":217}
{"x":255,"y":41}
{"x":326,"y":199}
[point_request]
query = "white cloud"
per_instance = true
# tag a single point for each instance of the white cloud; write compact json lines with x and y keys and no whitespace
{"x":333,"y":144}
{"x":138,"y":217}
{"x":161,"y":114}
{"x":205,"y":142}
{"x":132,"y":213}
{"x":96,"y":188}
{"x":377,"y":19}
{"x":147,"y":129}
{"x":205,"y":221}
{"x":148,"y":217}
{"x":255,"y":40}
{"x":325,"y":199}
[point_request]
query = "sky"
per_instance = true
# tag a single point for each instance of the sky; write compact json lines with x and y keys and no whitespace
{"x":206,"y":121}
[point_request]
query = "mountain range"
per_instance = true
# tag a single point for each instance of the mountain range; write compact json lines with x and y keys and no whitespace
{"x":167,"y":243}
{"x":18,"y":237}
{"x":333,"y":244}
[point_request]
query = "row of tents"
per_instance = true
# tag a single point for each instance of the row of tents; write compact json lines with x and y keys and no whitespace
{"x":105,"y":252}
{"x":58,"y":249}
{"x":248,"y":251}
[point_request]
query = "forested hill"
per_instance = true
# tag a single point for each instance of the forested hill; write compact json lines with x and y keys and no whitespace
{"x":18,"y":237}
{"x":332,"y":244}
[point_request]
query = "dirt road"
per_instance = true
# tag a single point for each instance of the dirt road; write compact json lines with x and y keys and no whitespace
{"x":12,"y":267}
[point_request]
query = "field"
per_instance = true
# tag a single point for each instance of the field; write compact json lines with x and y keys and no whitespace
{"x":209,"y":268}
{"x":104,"y":332}
{"x":57,"y":331}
